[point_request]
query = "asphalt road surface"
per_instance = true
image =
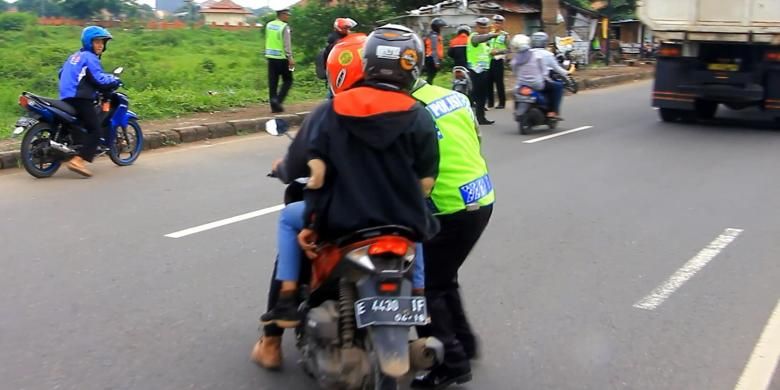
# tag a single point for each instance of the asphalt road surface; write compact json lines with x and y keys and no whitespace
{"x":632,"y":254}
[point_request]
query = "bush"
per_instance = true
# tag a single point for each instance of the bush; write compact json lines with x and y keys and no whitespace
{"x":16,"y":21}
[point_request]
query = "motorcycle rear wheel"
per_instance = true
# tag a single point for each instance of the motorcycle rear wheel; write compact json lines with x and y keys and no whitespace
{"x":32,"y":148}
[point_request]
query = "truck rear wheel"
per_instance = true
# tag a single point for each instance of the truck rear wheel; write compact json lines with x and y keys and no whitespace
{"x":706,"y":109}
{"x":669,"y":114}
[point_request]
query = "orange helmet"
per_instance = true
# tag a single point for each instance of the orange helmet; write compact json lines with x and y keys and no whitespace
{"x":345,"y":63}
{"x":343,"y":25}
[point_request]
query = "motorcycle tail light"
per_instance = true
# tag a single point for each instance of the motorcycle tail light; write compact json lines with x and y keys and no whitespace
{"x":24,"y":101}
{"x":670,"y":51}
{"x":525,"y":91}
{"x":395,"y":246}
{"x":388,"y":287}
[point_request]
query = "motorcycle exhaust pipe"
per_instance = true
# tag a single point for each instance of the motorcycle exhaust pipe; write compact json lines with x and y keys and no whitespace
{"x":424,"y":353}
{"x":61,"y":148}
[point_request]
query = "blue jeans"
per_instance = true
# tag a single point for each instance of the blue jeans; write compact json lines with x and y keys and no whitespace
{"x":554,"y":90}
{"x":291,"y":222}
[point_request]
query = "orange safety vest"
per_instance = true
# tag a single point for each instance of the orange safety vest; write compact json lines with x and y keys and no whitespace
{"x":439,"y":48}
{"x":460,"y":40}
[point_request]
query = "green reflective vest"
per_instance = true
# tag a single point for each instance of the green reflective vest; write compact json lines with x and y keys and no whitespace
{"x":274,"y":39}
{"x":499,"y":42}
{"x":463,"y":175}
{"x":478,"y":58}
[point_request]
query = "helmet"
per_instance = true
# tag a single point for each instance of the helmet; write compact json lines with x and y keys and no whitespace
{"x":539,"y":39}
{"x":464,"y":29}
{"x":498,"y":18}
{"x":91,"y":33}
{"x":483,"y":21}
{"x":393,"y":56}
{"x":437,"y":24}
{"x":345,"y":63}
{"x":520,"y":42}
{"x":343,"y":25}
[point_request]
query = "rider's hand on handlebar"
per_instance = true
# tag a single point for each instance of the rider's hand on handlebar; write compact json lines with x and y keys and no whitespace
{"x":307,"y":239}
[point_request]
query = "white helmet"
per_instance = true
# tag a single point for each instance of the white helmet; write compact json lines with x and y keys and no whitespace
{"x":520,"y":42}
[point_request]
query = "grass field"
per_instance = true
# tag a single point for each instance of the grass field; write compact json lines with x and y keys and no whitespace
{"x":167,"y":73}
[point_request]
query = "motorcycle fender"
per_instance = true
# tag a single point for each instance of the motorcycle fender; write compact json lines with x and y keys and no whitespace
{"x":120,"y":117}
{"x":522,"y":108}
{"x":391,"y":346}
{"x":391,"y":343}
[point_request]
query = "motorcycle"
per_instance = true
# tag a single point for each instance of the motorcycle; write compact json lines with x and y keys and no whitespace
{"x":49,"y":126}
{"x":531,"y":106}
{"x":358,"y":309}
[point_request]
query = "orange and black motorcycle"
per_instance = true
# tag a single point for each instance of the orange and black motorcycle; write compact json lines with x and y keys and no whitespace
{"x":359,"y":311}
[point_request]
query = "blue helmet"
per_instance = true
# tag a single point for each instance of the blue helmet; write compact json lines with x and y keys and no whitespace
{"x":93,"y":32}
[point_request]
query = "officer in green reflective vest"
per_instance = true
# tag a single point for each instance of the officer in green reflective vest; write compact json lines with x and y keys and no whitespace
{"x":478,"y":60}
{"x":498,"y":50}
{"x":462,"y":200}
{"x":278,"y":52}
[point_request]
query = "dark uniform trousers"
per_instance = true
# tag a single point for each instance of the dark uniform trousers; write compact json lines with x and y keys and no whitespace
{"x":444,"y":255}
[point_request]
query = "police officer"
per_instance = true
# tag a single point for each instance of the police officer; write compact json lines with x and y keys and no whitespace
{"x":478,"y":59}
{"x":278,"y":52}
{"x":462,"y":201}
{"x":498,"y":53}
{"x":434,"y":49}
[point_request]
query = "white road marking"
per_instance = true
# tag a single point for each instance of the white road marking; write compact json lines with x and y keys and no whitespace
{"x":763,"y":362}
{"x":655,"y":108}
{"x":223,"y":222}
{"x":530,"y":141}
{"x":694,"y":265}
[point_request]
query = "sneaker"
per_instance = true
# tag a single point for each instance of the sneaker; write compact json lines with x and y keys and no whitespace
{"x":284,"y":315}
{"x":485,"y":121}
{"x":440,"y":378}
{"x":500,"y":107}
{"x":267,"y":352}
{"x":76,"y":164}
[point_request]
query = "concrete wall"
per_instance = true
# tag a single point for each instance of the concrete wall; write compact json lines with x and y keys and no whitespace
{"x":221,"y":19}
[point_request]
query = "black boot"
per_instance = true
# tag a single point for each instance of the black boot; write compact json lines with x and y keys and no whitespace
{"x":285,"y":313}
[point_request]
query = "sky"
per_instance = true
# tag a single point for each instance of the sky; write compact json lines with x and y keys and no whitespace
{"x":244,"y":3}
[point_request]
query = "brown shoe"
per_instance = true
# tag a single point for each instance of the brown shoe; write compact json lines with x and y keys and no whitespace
{"x":76,"y":164}
{"x":268,"y":352}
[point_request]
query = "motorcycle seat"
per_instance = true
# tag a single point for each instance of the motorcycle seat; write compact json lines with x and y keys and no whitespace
{"x":56,"y":103}
{"x":387,"y":230}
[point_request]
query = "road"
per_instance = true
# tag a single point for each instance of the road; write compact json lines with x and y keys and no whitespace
{"x":633,"y":254}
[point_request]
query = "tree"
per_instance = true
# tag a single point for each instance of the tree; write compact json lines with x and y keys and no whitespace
{"x":621,"y":9}
{"x":40,"y":7}
{"x":4,"y":6}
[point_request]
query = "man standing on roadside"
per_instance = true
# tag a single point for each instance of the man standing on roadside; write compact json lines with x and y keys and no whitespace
{"x":278,"y":51}
{"x":498,"y":46}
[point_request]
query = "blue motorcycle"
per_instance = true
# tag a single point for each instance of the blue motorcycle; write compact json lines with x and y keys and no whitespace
{"x":48,"y":131}
{"x":531,"y":110}
{"x":531,"y":106}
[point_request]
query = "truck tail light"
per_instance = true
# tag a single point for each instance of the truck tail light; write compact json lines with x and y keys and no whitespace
{"x":670,"y":51}
{"x":773,"y":56}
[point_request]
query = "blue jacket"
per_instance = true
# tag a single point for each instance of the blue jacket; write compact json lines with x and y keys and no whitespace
{"x":82,"y":76}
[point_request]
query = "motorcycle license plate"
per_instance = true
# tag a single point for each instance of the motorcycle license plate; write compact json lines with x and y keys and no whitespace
{"x":400,"y":311}
{"x":526,"y":99}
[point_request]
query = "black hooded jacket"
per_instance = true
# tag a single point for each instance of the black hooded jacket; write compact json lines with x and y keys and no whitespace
{"x":377,"y":146}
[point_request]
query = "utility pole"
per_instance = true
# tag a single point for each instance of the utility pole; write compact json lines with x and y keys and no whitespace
{"x":609,"y":17}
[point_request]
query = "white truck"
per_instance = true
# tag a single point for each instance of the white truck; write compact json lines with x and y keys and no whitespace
{"x":714,"y":52}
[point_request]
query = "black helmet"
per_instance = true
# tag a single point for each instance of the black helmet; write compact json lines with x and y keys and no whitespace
{"x":437,"y":24}
{"x":393,"y":56}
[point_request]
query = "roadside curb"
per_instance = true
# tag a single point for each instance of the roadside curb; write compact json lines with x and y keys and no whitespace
{"x":186,"y":134}
{"x":206,"y":131}
{"x":608,"y":81}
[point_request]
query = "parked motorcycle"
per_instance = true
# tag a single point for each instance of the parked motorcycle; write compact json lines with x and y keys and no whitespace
{"x":50,"y":124}
{"x":358,"y":310}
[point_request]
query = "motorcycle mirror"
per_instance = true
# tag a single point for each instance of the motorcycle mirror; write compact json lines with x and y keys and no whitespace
{"x":277,"y":127}
{"x":119,"y":70}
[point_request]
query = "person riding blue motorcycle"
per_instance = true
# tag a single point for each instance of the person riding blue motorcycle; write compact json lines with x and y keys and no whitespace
{"x":553,"y":89}
{"x":81,"y":77}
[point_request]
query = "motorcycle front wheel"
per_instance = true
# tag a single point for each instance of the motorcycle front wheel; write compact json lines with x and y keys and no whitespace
{"x":128,"y":143}
{"x":36,"y":159}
